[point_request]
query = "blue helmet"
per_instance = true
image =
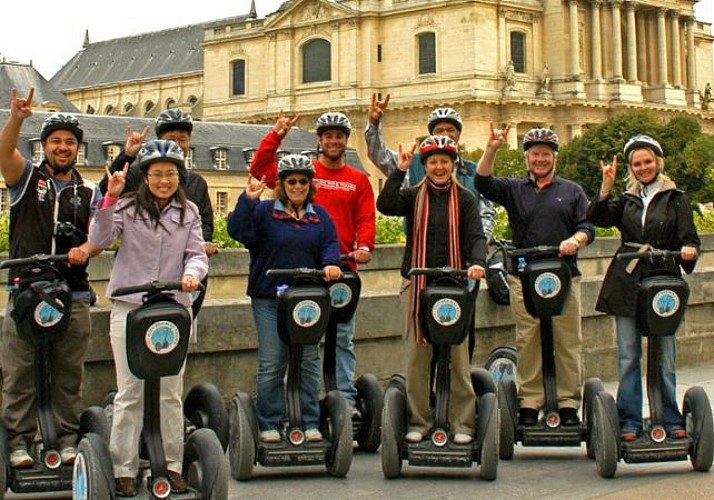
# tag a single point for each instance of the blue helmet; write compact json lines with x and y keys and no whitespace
{"x":160,"y":150}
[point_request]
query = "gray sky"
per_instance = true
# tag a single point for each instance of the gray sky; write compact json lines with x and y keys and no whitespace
{"x":50,"y":33}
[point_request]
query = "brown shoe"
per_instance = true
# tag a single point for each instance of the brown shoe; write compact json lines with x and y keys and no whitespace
{"x":178,"y":483}
{"x":125,"y":486}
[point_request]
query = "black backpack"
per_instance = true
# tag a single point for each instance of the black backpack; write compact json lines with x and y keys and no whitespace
{"x":497,"y":267}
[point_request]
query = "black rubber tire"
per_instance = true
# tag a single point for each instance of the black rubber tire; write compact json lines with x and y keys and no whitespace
{"x":698,"y":415}
{"x":502,"y":362}
{"x":489,"y":442}
{"x":94,"y":419}
{"x":4,"y":459}
{"x":92,"y":476}
{"x":482,"y":381}
{"x":205,"y":465}
{"x":398,"y":380}
{"x":339,"y":430}
{"x":605,"y":435}
{"x":241,"y":443}
{"x":508,"y":412}
{"x":370,"y":402}
{"x":205,"y":408}
{"x":591,"y":388}
{"x":394,"y":420}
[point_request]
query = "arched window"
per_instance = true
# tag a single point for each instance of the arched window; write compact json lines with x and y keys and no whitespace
{"x":427,"y":52}
{"x":239,"y":77}
{"x":170,"y":103}
{"x":316,"y":61}
{"x":518,"y":51}
{"x":109,"y":109}
{"x":149,"y":107}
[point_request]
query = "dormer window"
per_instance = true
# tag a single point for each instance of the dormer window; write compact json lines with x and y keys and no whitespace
{"x":220,"y":158}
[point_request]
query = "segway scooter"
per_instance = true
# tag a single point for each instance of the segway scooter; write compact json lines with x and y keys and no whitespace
{"x":157,"y":337}
{"x":546,"y":280}
{"x":303,"y":315}
{"x":366,"y":426}
{"x":444,"y":314}
{"x":661,"y":303}
{"x":42,"y":307}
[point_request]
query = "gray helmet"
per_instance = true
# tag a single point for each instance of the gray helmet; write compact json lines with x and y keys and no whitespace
{"x":333,"y":120}
{"x":173,"y":119}
{"x":160,"y":150}
{"x":61,"y":121}
{"x":541,"y":136}
{"x":440,"y":115}
{"x":642,"y":141}
{"x":295,"y":164}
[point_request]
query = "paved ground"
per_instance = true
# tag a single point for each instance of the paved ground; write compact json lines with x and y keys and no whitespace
{"x":534,"y":473}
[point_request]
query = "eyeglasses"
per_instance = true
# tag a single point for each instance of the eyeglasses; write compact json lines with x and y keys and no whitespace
{"x":302,"y":182}
{"x":172,"y":174}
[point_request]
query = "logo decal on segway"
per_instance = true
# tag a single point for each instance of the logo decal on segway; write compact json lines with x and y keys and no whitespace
{"x":547,"y":285}
{"x":46,"y":315}
{"x":340,"y":295}
{"x":306,"y":313}
{"x":665,"y":303}
{"x":79,"y":478}
{"x":162,"y":337}
{"x":446,"y":312}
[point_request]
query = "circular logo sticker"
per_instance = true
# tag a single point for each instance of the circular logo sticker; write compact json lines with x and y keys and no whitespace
{"x":665,"y":303}
{"x":46,"y":315}
{"x":162,"y":337}
{"x":547,"y":285}
{"x":306,"y":313}
{"x":340,"y":295}
{"x":446,"y":312}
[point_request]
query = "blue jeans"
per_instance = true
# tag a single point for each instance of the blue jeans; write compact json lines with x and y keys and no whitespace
{"x":273,"y":356}
{"x":629,"y":390}
{"x":345,"y":360}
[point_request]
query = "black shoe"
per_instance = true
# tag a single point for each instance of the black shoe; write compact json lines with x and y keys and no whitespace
{"x":569,"y":416}
{"x":528,"y":417}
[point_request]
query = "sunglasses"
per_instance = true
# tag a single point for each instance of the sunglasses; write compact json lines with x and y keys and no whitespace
{"x":302,"y":182}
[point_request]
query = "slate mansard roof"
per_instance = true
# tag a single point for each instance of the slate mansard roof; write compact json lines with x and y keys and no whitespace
{"x":24,"y":76}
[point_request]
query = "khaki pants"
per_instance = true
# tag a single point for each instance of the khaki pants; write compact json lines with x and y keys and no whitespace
{"x":567,"y":340}
{"x":129,"y":406}
{"x":19,"y":390}
{"x":462,"y":400}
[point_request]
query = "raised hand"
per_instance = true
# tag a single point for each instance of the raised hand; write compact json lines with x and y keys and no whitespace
{"x":284,"y":123}
{"x":20,"y":107}
{"x":134,"y":140}
{"x":255,"y":188}
{"x":608,"y":176}
{"x":376,"y":109}
{"x":116,"y":181}
{"x":496,"y":137}
{"x":405,"y":158}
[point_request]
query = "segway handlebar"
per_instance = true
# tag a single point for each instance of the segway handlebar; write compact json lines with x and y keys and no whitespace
{"x":437,"y":272}
{"x":39,"y":258}
{"x":298,"y":271}
{"x":540,"y":249}
{"x":150,"y":287}
{"x":650,"y":253}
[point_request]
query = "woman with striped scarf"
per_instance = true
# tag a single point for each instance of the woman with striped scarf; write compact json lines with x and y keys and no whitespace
{"x":443,"y":229}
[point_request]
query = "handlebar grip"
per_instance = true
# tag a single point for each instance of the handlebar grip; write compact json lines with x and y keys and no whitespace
{"x":301,"y":271}
{"x":147,"y":287}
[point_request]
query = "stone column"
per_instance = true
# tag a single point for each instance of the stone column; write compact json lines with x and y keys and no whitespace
{"x":631,"y":32}
{"x":596,"y":51}
{"x":616,"y":41}
{"x":661,"y":47}
{"x":574,"y":38}
{"x":691,"y":60}
{"x":642,"y":62}
{"x":676,"y":49}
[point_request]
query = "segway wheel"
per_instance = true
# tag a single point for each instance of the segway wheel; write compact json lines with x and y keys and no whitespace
{"x":508,"y":411}
{"x":95,"y":420}
{"x":698,"y":414}
{"x":4,"y":459}
{"x":205,"y":464}
{"x":605,"y":430}
{"x":489,"y":441}
{"x":592,"y":387}
{"x":338,"y":428}
{"x":398,"y":380}
{"x":502,"y":363}
{"x":92,"y":475}
{"x":482,"y":381}
{"x":394,"y":419}
{"x":241,"y":443}
{"x":204,"y":407}
{"x":370,"y":398}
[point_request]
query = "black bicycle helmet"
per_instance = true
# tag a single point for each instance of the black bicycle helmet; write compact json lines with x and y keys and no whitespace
{"x":173,"y":119}
{"x":61,"y":121}
{"x":440,"y":115}
{"x":333,"y":120}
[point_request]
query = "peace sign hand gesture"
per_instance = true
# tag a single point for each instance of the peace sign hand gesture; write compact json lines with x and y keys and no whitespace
{"x":255,"y":188}
{"x":21,"y":108}
{"x":405,"y":158}
{"x":284,"y":123}
{"x":376,"y":109}
{"x":134,"y":140}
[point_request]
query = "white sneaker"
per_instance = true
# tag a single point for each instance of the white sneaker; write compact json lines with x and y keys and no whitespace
{"x":271,"y":436}
{"x":313,"y":435}
{"x":20,"y":459}
{"x":460,"y":438}
{"x":68,"y":455}
{"x":414,"y":436}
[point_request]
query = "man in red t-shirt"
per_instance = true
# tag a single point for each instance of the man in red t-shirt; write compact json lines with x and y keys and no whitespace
{"x":348,"y":197}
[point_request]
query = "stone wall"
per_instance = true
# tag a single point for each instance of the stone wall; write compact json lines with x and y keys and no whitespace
{"x":225,"y":351}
